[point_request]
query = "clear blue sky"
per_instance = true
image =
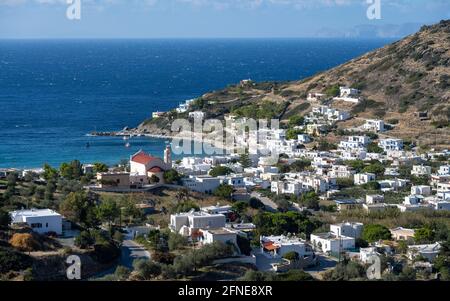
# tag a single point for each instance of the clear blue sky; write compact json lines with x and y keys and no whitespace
{"x":216,"y":18}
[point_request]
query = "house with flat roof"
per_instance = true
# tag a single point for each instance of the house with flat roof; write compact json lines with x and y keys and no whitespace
{"x":401,"y":233}
{"x":190,"y":222}
{"x":330,"y":243}
{"x":347,"y":229}
{"x":428,"y":251}
{"x":278,"y":246}
{"x":40,"y":220}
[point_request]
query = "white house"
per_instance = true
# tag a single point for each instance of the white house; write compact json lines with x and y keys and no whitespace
{"x":331,"y":243}
{"x":424,"y":190}
{"x":302,"y":138}
{"x":188,"y":223}
{"x":444,"y":170}
{"x":41,"y":221}
{"x":197,"y":115}
{"x":374,"y":199}
{"x":429,"y":251}
{"x":421,"y":170}
{"x":224,"y":235}
{"x":277,"y":246}
{"x":391,"y":144}
{"x":363,"y":178}
{"x":366,"y":254}
{"x":347,"y":229}
{"x":374,"y":125}
{"x":401,"y":233}
{"x":202,"y":184}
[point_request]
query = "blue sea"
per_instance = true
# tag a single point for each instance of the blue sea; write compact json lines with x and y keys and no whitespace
{"x":54,"y":92}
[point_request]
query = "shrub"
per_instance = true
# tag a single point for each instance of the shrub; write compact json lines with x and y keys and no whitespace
{"x":292,"y":256}
{"x":220,"y":171}
{"x":147,"y":269}
{"x":25,"y":242}
{"x":105,"y":253}
{"x":13,"y":261}
{"x":5,"y":218}
{"x":372,"y":233}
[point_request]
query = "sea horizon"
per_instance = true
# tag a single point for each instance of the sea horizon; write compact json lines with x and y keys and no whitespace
{"x":54,"y":92}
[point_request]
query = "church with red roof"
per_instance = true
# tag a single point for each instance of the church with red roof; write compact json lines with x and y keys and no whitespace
{"x":143,"y":164}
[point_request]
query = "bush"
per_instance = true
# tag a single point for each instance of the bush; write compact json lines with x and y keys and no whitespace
{"x":84,"y":240}
{"x":122,"y":273}
{"x":372,"y":233}
{"x":163,"y":257}
{"x":5,"y":218}
{"x":105,"y":253}
{"x":25,"y":242}
{"x":220,"y":171}
{"x":171,"y":176}
{"x":292,"y":256}
{"x":147,"y":269}
{"x":256,"y":203}
{"x":13,"y":261}
{"x":176,"y":241}
{"x":224,"y":191}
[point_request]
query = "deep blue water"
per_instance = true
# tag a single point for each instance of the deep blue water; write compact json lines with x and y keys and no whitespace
{"x":53,"y":92}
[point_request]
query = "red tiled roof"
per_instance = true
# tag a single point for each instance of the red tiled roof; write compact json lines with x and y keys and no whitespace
{"x":142,"y":158}
{"x":155,"y":169}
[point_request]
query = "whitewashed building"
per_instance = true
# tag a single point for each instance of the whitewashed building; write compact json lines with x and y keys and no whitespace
{"x":363,"y":178}
{"x":391,"y":144}
{"x":40,"y":220}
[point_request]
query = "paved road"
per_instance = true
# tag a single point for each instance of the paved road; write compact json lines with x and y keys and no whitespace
{"x":131,"y":251}
{"x":270,"y":205}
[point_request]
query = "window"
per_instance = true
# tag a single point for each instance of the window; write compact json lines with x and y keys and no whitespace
{"x":36,"y":225}
{"x":46,"y":225}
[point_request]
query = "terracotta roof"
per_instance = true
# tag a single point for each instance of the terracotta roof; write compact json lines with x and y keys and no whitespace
{"x":155,"y":169}
{"x":142,"y":158}
{"x":270,"y":246}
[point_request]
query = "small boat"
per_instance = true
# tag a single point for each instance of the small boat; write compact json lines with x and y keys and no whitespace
{"x":127,"y":144}
{"x":126,"y":137}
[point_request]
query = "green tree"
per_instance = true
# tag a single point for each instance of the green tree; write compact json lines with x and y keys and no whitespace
{"x":423,"y":235}
{"x":49,"y":172}
{"x":146,"y":269}
{"x":296,"y":120}
{"x":332,"y":91}
{"x":100,"y":167}
{"x":224,"y":191}
{"x":220,"y":171}
{"x":372,"y":233}
{"x":108,"y":211}
{"x":172,"y":176}
{"x":79,"y":208}
{"x":357,"y":165}
{"x":292,"y":256}
{"x":310,"y":200}
{"x":376,"y":168}
{"x":374,"y":148}
{"x":245,"y":160}
{"x":240,"y":207}
{"x":122,"y":273}
{"x":176,"y":241}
